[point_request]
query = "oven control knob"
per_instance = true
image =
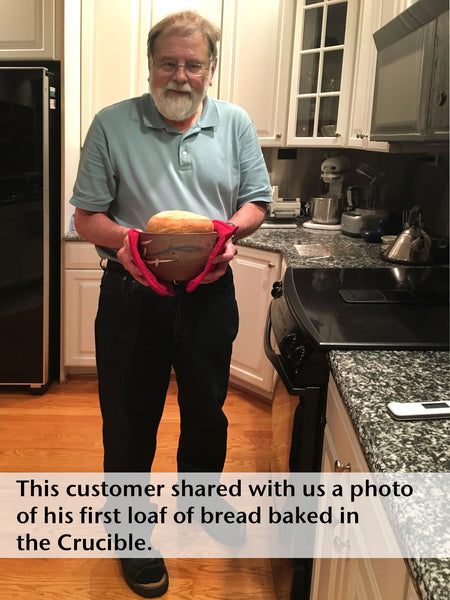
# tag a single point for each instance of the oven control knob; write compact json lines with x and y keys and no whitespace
{"x":298,"y":355}
{"x":277,"y":289}
{"x":289,"y":343}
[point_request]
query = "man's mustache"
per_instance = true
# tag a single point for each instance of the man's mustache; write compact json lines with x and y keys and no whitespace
{"x":178,"y":87}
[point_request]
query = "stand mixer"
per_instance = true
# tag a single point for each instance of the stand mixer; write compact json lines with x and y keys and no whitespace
{"x":361,"y":214}
{"x":333,"y":172}
{"x":326,"y":210}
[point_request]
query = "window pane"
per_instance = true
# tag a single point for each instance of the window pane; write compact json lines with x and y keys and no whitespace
{"x":312,"y":28}
{"x":312,"y":2}
{"x":335,"y":31}
{"x":305,"y":117}
{"x":308,"y":73}
{"x":328,"y":113}
{"x":332,"y":70}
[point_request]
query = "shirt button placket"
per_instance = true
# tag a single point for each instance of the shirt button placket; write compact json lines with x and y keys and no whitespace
{"x":184,"y":157}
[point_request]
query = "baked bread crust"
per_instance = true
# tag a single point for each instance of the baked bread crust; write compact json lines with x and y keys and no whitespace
{"x":179,"y":221}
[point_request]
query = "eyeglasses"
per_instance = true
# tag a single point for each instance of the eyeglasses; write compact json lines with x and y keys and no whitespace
{"x":191,"y":68}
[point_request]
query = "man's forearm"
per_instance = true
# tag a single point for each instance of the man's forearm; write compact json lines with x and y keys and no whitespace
{"x":248,"y":218}
{"x":99,"y":229}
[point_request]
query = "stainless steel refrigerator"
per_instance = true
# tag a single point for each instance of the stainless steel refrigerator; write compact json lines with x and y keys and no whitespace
{"x":30,"y":215}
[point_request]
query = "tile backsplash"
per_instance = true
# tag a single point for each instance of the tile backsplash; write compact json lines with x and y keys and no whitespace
{"x":404,"y":181}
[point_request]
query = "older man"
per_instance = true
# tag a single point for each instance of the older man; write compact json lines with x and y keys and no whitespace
{"x":175,"y":148}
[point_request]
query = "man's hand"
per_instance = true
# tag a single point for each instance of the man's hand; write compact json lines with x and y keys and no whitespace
{"x":124,"y":255}
{"x":221,"y":262}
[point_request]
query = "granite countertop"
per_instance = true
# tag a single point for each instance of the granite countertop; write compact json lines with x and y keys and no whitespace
{"x":368,"y":380}
{"x":344,"y":251}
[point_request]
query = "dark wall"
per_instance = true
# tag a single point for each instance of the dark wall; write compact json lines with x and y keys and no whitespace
{"x":406,"y":180}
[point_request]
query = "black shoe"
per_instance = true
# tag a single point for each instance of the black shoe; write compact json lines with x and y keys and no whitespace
{"x":147,"y":577}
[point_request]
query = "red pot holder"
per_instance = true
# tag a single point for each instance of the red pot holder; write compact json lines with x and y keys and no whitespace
{"x":165,"y":288}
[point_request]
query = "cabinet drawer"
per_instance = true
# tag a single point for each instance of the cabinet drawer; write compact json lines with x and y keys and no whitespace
{"x":80,"y":255}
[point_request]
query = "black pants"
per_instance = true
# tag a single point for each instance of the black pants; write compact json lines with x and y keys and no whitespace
{"x":139,"y":337}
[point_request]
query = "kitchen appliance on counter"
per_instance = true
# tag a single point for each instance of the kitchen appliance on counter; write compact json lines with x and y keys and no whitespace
{"x":353,"y":222}
{"x":361,"y":213}
{"x":282,"y":212}
{"x":30,"y":199}
{"x":413,"y":246}
{"x":317,"y":310}
{"x":326,"y":210}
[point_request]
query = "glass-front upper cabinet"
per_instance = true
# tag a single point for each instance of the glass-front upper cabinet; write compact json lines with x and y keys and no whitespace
{"x":324,"y":46}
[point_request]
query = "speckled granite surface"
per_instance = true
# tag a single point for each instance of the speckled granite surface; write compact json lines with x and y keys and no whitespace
{"x":367,"y":381}
{"x":344,"y":250}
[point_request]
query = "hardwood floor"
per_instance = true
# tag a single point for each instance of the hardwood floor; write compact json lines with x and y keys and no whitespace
{"x":61,"y":431}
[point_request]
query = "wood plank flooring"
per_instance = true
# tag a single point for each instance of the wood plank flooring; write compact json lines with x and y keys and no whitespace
{"x":61,"y":431}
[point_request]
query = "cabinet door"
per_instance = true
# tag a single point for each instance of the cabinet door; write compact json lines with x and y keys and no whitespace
{"x":373,"y":15}
{"x":82,"y":287}
{"x":113,"y":54}
{"x":254,"y":274}
{"x":256,"y":62}
{"x":114,"y":48}
{"x":27,"y":29}
{"x":324,"y":46}
{"x":438,"y":115}
{"x":341,"y":578}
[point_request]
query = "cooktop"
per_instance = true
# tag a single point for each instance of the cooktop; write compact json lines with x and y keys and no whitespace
{"x":396,"y":307}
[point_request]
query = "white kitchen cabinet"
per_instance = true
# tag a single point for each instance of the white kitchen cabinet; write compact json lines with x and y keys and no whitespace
{"x":323,"y":61}
{"x":254,"y":55}
{"x":254,"y":272}
{"x":373,"y":15}
{"x":114,"y":48}
{"x":341,"y":578}
{"x":81,"y":292}
{"x":255,"y":70}
{"x":113,"y":53}
{"x":29,"y":29}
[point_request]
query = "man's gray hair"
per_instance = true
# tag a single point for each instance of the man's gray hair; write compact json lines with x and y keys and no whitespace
{"x":186,"y":22}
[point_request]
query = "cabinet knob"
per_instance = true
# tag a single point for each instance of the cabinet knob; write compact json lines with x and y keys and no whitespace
{"x":278,"y":135}
{"x":341,"y":468}
{"x":271,"y":265}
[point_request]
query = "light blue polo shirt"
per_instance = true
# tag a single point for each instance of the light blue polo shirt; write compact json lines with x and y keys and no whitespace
{"x":133,"y":164}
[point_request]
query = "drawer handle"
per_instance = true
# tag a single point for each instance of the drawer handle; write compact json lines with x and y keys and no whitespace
{"x":341,"y":468}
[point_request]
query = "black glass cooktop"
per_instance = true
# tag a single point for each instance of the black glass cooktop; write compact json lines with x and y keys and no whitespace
{"x":396,"y":307}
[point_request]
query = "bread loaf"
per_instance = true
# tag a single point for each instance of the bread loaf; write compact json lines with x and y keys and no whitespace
{"x":179,"y":221}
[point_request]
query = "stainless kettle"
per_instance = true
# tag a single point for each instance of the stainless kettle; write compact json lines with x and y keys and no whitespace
{"x":413,"y":245}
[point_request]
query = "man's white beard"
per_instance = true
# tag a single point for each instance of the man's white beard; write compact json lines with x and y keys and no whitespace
{"x":177,"y":108}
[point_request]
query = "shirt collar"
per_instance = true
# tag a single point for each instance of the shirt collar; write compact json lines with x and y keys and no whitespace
{"x":152,"y":118}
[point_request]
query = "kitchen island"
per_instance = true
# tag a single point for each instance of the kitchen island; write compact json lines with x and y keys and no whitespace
{"x":368,"y":380}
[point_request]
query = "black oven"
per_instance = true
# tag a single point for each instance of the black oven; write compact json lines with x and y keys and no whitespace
{"x":317,"y":310}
